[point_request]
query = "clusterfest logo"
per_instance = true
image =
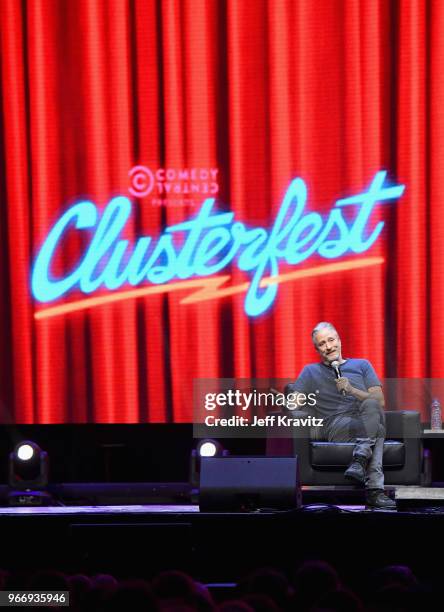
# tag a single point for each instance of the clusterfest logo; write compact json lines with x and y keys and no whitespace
{"x":189,"y":255}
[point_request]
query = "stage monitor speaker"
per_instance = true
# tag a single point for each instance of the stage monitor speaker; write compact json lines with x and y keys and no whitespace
{"x":242,"y":484}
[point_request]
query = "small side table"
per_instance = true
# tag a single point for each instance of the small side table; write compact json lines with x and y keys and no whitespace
{"x":433,"y":433}
{"x":433,"y":455}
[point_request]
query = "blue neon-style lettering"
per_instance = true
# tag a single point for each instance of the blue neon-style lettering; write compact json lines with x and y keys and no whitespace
{"x":208,"y":250}
{"x":138,"y":266}
{"x":259,"y":300}
{"x":95,"y":271}
{"x":329,"y":246}
{"x":207,"y":243}
{"x":308,"y":227}
{"x":45,"y":288}
{"x":165,"y":257}
{"x":367,"y":201}
{"x":196,"y":226}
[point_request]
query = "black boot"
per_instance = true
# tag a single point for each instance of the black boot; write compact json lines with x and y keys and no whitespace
{"x":376,"y":498}
{"x":357,"y":469}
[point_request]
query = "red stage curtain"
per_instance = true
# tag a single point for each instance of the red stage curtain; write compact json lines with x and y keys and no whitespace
{"x":265,"y":91}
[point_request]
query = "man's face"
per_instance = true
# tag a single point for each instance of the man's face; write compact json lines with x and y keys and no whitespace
{"x":328,"y":345}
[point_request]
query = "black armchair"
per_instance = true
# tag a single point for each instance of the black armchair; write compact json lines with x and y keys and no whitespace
{"x":324,"y":463}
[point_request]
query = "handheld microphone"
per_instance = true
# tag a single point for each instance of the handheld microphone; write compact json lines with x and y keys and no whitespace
{"x":335,"y":365}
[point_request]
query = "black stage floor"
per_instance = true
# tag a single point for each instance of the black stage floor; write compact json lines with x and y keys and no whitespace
{"x":142,"y":539}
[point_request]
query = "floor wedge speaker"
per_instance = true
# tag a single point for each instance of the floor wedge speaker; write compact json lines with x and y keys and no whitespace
{"x":242,"y":484}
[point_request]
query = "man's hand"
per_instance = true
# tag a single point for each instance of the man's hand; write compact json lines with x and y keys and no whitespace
{"x":373,"y":392}
{"x":343,"y":384}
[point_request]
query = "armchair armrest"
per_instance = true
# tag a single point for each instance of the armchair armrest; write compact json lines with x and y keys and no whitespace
{"x":406,"y":425}
{"x":403,"y":424}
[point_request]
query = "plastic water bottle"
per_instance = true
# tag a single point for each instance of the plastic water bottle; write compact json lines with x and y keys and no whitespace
{"x":435,"y":415}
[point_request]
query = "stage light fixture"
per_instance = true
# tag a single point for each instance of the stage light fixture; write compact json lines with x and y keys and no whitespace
{"x":208,"y":448}
{"x":28,"y":475}
{"x":25,"y":452}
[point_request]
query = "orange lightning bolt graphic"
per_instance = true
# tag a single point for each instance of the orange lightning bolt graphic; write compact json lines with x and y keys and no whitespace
{"x":206,"y":288}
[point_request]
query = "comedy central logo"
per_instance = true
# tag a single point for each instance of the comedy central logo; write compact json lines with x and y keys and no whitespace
{"x":173,"y":186}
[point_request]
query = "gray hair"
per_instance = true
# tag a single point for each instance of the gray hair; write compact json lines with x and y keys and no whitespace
{"x":322,"y":325}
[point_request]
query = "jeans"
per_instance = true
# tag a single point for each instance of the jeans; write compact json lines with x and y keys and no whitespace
{"x":366,"y":427}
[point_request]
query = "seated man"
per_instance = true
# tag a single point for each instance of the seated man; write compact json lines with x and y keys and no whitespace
{"x":349,"y":398}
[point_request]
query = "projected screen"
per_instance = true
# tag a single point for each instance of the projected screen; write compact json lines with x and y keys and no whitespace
{"x":190,"y":186}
